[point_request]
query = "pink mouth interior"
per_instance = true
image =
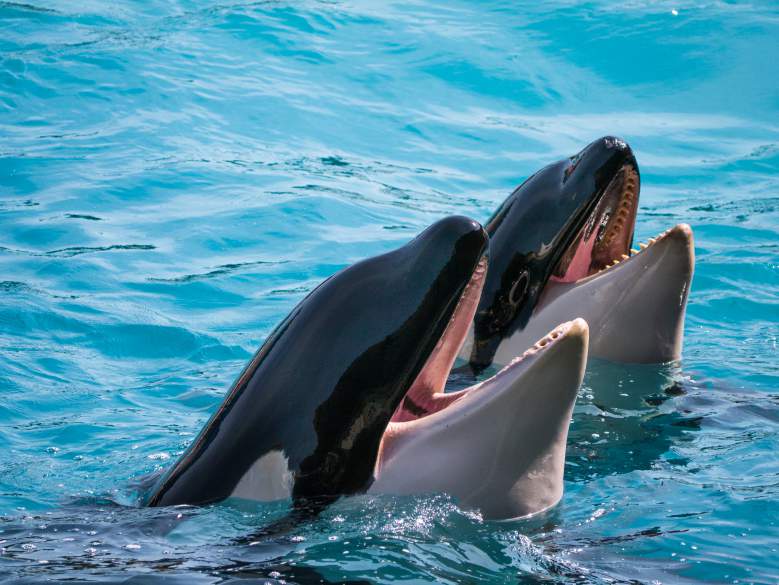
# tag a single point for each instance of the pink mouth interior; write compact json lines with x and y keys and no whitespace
{"x":435,"y":401}
{"x":426,"y":394}
{"x":608,"y":232}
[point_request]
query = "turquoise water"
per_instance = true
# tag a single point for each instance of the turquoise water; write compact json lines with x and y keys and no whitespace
{"x":175,"y":176}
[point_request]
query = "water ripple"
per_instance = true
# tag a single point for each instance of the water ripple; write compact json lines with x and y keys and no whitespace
{"x":174,"y":177}
{"x":221,"y":270}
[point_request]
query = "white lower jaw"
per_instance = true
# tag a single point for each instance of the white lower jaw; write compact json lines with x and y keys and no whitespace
{"x":635,"y":309}
{"x":501,"y":447}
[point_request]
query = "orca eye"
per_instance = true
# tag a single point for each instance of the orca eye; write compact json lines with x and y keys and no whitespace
{"x":519,"y":290}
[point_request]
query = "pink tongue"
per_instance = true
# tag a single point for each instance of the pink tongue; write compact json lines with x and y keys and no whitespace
{"x":580,"y":264}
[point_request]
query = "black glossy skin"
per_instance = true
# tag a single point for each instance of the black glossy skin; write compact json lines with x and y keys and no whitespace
{"x":530,"y":232}
{"x":325,"y":384}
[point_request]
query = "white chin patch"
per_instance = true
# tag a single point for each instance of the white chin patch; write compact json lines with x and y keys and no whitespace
{"x":267,"y":480}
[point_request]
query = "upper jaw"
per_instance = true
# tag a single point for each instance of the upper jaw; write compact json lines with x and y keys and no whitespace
{"x":426,"y":393}
{"x":618,"y":209}
{"x":607,"y":230}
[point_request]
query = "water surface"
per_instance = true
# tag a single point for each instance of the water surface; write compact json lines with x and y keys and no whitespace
{"x":176,"y":176}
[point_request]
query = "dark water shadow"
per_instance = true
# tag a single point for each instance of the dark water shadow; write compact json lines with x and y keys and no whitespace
{"x":101,"y":541}
{"x":627,"y":417}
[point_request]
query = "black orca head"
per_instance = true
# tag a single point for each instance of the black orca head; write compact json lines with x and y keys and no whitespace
{"x":568,"y":220}
{"x":322,"y":389}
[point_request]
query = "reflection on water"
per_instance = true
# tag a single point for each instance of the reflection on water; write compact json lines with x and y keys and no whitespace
{"x":627,"y":417}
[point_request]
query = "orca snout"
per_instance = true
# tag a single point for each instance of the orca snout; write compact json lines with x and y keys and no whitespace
{"x":450,"y":250}
{"x":613,"y":142}
{"x":610,"y":151}
{"x":466,"y":235}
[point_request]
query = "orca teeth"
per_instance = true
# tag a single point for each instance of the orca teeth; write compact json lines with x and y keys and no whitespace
{"x":606,"y":228}
{"x":624,"y":209}
{"x":540,"y":345}
{"x":633,"y":252}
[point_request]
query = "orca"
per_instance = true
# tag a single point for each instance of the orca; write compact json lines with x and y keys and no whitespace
{"x":306,"y":417}
{"x":560,"y":248}
{"x":347,"y":396}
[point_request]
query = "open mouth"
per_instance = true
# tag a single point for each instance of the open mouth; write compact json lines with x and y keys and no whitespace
{"x":681,"y":230}
{"x":607,"y":234}
{"x":425,"y":400}
{"x":426,"y":395}
{"x":605,"y":239}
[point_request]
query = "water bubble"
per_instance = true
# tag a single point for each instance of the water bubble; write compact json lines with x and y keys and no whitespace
{"x":132,"y":546}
